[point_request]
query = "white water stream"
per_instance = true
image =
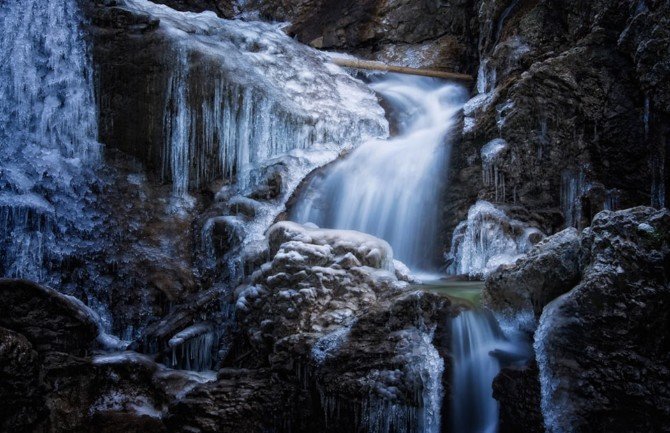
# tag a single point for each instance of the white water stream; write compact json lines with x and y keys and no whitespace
{"x":392,"y":188}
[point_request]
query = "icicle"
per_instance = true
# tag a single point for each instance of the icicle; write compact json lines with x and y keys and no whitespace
{"x":491,"y":155}
{"x":242,"y":93}
{"x":572,"y":188}
{"x":193,"y":348}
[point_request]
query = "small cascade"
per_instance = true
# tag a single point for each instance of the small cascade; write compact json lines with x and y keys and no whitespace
{"x":486,"y":84}
{"x":391,"y":189}
{"x":486,"y":78}
{"x":487,"y":239}
{"x":476,"y":340}
{"x":503,"y":18}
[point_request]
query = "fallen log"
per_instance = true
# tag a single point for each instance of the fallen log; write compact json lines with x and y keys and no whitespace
{"x":381,"y":66}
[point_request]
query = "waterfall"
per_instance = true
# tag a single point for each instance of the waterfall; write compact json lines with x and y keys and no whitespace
{"x":392,"y":188}
{"x":476,"y":338}
{"x":48,"y":132}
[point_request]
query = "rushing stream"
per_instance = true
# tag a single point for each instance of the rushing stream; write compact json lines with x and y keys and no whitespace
{"x":476,"y":337}
{"x":392,"y":188}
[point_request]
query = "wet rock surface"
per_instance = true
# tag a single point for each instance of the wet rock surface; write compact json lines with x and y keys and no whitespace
{"x":517,"y":389}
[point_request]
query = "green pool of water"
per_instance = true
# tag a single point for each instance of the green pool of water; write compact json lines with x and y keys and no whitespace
{"x":470,"y":291}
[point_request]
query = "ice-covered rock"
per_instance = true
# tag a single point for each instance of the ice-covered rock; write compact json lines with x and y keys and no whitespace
{"x":329,"y":311}
{"x":488,"y":239}
{"x":602,"y":348}
{"x":246,"y":92}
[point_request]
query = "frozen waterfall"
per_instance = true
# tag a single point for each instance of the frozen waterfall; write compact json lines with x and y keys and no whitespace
{"x":392,"y":188}
{"x":241,"y":93}
{"x":48,"y":132}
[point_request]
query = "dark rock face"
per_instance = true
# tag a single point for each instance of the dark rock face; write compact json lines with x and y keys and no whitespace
{"x":564,"y":86}
{"x":239,"y":400}
{"x":603,"y":348}
{"x":51,"y":321}
{"x":20,"y":388}
{"x":422,"y":33}
{"x":517,"y":389}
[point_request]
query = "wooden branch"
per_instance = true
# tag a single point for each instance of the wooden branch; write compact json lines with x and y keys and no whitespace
{"x":381,"y":66}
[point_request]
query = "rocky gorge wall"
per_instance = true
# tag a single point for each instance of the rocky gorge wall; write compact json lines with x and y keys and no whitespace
{"x":568,"y":117}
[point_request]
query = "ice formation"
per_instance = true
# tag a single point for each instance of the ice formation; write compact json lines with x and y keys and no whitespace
{"x":556,"y":406}
{"x":194,"y":347}
{"x":487,"y":239}
{"x":48,"y":148}
{"x":382,"y":413}
{"x":246,"y":92}
{"x":573,"y":186}
{"x":493,"y":176}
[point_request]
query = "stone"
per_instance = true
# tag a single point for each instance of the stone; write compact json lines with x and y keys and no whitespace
{"x":238,"y":401}
{"x":517,"y":390}
{"x":550,"y":269}
{"x":328,"y":311}
{"x":21,"y":390}
{"x":603,"y":347}
{"x":50,"y":320}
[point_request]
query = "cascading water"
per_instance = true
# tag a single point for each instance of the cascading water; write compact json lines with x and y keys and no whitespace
{"x":476,"y":337}
{"x":391,"y":188}
{"x":48,"y":131}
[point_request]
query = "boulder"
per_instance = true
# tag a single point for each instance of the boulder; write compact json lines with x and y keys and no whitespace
{"x":50,"y":320}
{"x":603,"y":348}
{"x":329,"y":316}
{"x":21,"y":390}
{"x":517,"y":390}
{"x":550,"y":269}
